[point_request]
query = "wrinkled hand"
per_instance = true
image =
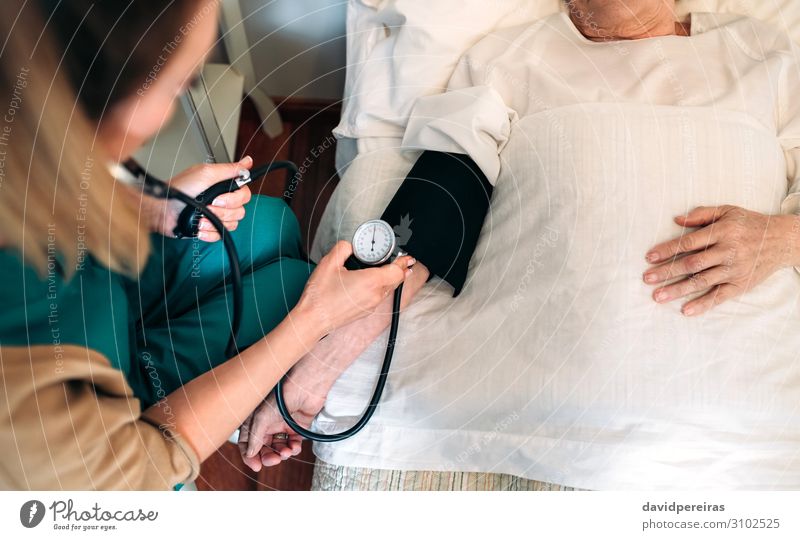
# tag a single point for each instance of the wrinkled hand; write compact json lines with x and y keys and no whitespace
{"x":229,"y":207}
{"x":733,"y":251}
{"x":256,"y":442}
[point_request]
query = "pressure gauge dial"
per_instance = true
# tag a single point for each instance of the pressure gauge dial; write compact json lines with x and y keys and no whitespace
{"x":374,"y":242}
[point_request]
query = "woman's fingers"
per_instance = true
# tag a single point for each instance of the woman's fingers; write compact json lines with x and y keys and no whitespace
{"x":199,"y":178}
{"x":685,"y":243}
{"x":693,"y":284}
{"x":208,"y":236}
{"x":206,"y":225}
{"x":405,"y":262}
{"x":229,"y":208}
{"x":339,"y":254}
{"x":394,"y":274}
{"x":211,"y":173}
{"x":335,"y":296}
{"x":711,"y":299}
{"x":212,"y":235}
{"x":234,"y":199}
{"x":389,"y":276}
{"x":685,"y":266}
{"x":224,"y":215}
{"x":393,"y":277}
{"x":385,"y":279}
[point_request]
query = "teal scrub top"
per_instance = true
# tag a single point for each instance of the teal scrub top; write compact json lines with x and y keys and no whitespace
{"x":173,"y":323}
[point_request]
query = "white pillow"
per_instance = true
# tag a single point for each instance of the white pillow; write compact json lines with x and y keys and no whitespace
{"x":422,"y":42}
{"x":400,"y":50}
{"x":784,"y":14}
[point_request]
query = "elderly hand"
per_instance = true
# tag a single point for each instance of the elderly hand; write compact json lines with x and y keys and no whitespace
{"x":257,"y":442}
{"x":229,"y":208}
{"x":733,"y":251}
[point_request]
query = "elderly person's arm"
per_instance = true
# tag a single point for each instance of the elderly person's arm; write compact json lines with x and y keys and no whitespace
{"x":736,"y":249}
{"x":438,"y":213}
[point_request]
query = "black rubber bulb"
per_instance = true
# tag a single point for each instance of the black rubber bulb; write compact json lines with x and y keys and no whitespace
{"x":189,"y":218}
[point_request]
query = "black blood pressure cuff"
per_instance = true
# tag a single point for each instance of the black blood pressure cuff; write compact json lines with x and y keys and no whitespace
{"x":438,"y":213}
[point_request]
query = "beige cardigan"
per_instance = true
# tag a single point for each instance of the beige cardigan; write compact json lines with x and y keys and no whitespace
{"x":71,"y":422}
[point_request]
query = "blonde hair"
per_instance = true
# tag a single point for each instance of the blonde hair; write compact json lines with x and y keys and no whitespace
{"x":59,"y":203}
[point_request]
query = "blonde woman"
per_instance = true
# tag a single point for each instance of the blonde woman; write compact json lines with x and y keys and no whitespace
{"x":112,"y":334}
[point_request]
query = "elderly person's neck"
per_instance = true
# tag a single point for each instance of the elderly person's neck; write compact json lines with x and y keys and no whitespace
{"x":615,"y":20}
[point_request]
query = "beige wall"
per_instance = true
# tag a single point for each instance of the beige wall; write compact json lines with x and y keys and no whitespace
{"x":297,"y":46}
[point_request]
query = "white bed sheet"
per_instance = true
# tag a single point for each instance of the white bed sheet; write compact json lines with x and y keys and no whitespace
{"x":554,"y":363}
{"x":460,"y":424}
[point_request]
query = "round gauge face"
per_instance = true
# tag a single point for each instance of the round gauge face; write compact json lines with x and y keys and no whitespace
{"x":373,"y":242}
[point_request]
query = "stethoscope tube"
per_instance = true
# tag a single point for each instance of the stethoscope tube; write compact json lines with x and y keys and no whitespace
{"x":189,"y":218}
{"x":376,"y":395}
{"x":161,"y":190}
{"x":198,"y":206}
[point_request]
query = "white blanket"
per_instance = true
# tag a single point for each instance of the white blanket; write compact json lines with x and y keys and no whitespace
{"x":554,"y":363}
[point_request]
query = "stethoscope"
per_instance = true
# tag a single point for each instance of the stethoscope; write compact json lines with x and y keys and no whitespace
{"x":374,"y":244}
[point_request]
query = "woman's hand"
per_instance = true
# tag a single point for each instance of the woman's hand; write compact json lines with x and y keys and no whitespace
{"x":335,"y":296}
{"x":229,"y":208}
{"x":733,"y":251}
{"x":306,"y":388}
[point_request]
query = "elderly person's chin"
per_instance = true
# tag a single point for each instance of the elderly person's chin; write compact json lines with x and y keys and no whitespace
{"x":617,"y":20}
